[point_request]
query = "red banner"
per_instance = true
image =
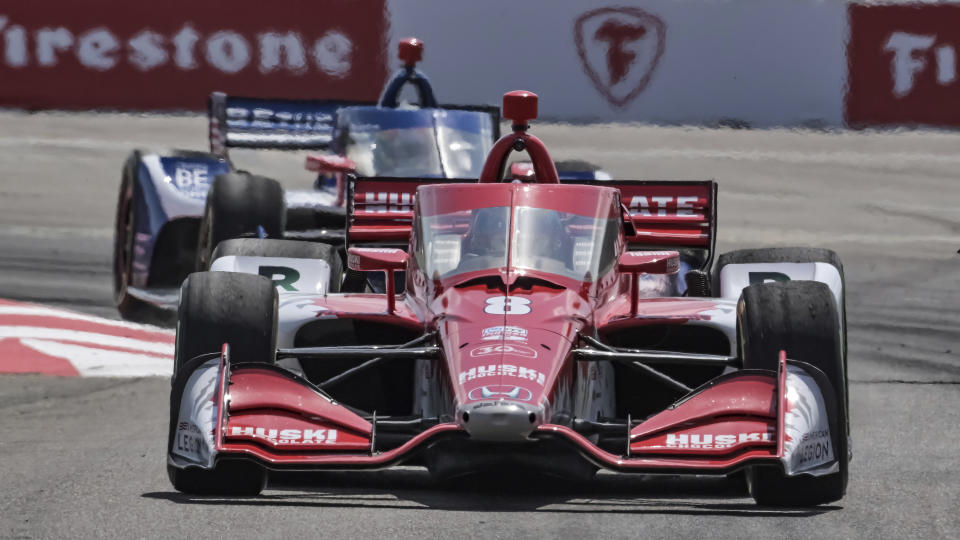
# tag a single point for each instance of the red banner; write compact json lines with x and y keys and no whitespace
{"x":171,"y":54}
{"x":903,"y":65}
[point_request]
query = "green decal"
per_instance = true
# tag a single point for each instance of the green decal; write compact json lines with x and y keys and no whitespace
{"x":287,"y":276}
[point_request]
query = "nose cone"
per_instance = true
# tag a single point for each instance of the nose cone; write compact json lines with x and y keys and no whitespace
{"x":500,"y":420}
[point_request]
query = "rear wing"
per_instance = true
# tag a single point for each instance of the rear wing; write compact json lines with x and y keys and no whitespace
{"x":380,"y":210}
{"x":286,"y":124}
{"x":665,"y":213}
{"x":680,"y":214}
{"x":242,"y":122}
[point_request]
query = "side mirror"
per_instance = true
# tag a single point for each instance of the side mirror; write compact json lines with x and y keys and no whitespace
{"x":649,"y":262}
{"x":388,"y":260}
{"x":330,"y":164}
{"x":646,"y":262}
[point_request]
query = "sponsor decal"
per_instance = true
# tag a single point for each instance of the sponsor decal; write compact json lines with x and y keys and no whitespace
{"x":188,"y":441}
{"x":82,"y":55}
{"x":664,"y":206}
{"x":506,"y":349}
{"x":508,"y":333}
{"x":384,"y":202}
{"x":902,"y":64}
{"x":620,"y":48}
{"x":505,"y":370}
{"x":500,"y":392}
{"x":708,"y":441}
{"x":192,"y":180}
{"x":282,"y":276}
{"x":814,"y":448}
{"x":286,"y":436}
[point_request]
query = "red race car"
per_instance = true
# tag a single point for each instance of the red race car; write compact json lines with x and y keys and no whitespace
{"x":559,"y":326}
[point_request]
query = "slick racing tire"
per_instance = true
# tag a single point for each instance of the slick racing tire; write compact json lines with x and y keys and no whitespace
{"x":217,"y":308}
{"x":125,"y":225}
{"x":239,"y":204}
{"x":293,"y":249}
{"x":236,"y":478}
{"x":794,"y":255}
{"x":801,"y":318}
{"x":226,"y":307}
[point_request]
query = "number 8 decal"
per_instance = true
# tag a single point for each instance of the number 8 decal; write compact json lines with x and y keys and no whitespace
{"x":507,"y":305}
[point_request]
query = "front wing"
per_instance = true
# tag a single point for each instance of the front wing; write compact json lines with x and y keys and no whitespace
{"x":269,"y":415}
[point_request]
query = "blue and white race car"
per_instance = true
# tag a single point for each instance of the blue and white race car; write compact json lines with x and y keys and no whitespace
{"x":175,"y":207}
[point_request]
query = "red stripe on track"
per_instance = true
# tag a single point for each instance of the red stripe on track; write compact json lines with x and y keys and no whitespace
{"x":16,"y":357}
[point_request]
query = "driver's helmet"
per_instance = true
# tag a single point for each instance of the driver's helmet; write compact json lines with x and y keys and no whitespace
{"x":543,"y":235}
{"x":399,"y":149}
{"x":487,"y":236}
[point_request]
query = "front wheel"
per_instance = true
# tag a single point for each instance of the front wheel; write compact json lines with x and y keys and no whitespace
{"x":800,"y":317}
{"x":217,"y":308}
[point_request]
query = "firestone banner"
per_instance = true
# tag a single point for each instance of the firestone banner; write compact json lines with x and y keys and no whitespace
{"x":903,"y":65}
{"x":172,"y":54}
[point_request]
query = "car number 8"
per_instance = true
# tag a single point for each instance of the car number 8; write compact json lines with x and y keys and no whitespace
{"x":507,"y":305}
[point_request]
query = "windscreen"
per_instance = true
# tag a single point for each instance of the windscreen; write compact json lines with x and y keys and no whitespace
{"x":427,"y":143}
{"x":571,"y":245}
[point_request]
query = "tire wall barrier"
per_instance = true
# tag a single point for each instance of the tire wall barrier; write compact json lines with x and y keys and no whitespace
{"x":700,"y":62}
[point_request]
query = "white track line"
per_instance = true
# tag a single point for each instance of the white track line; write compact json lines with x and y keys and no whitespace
{"x":41,"y":311}
{"x":93,"y":362}
{"x":57,"y":334}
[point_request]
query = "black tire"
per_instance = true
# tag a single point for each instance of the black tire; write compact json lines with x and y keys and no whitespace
{"x":235,"y":478}
{"x":226,"y":307}
{"x":125,"y":224}
{"x":237,"y":204}
{"x":219,"y":307}
{"x":295,"y":249}
{"x":795,"y":255}
{"x":800,"y":317}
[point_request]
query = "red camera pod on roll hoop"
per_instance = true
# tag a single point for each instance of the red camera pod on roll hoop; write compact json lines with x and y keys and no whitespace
{"x":520,"y":106}
{"x":410,"y":51}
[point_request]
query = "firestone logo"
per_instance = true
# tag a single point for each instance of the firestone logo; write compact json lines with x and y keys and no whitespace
{"x":228,"y":51}
{"x":908,"y":60}
{"x":620,"y":49}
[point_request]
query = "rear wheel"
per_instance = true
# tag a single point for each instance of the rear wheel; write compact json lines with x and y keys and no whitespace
{"x":801,"y":318}
{"x":217,"y":308}
{"x":294,"y":249}
{"x":239,"y":204}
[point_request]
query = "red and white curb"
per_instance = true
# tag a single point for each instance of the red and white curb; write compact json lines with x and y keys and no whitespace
{"x":40,"y":339}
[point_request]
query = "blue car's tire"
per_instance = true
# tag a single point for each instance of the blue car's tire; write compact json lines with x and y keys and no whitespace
{"x":239,"y":204}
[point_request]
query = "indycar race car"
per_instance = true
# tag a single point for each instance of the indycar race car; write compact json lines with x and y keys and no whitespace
{"x":175,"y":207}
{"x":540,"y":327}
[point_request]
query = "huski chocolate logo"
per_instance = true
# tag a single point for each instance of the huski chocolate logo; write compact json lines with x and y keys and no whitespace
{"x":620,"y":49}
